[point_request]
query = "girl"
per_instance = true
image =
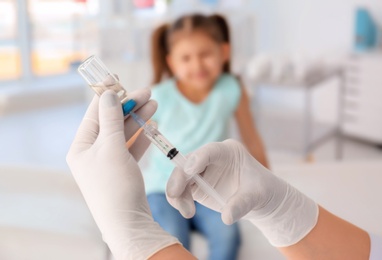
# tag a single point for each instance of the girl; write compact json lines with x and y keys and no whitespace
{"x":196,"y":97}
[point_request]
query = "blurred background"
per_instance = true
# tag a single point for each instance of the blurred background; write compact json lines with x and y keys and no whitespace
{"x":313,"y":70}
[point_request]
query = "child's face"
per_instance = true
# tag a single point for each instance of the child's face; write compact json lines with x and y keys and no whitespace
{"x":197,"y":60}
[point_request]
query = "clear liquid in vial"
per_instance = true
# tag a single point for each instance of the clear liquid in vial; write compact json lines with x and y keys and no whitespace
{"x":99,"y":88}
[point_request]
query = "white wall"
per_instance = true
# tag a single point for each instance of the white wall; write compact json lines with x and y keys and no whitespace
{"x":311,"y":27}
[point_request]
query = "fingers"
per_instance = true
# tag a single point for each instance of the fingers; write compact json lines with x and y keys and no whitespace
{"x":110,"y":115}
{"x":140,"y":96}
{"x":213,"y":153}
{"x":184,"y":203}
{"x":179,"y":194}
{"x":140,"y":146}
{"x":177,"y":183}
{"x":239,"y":205}
{"x":145,"y":112}
{"x":88,"y":130}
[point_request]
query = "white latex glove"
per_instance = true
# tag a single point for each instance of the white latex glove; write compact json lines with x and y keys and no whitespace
{"x":252,"y":192}
{"x":110,"y":180}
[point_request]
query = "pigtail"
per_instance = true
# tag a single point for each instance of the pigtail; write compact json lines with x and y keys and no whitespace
{"x":159,"y":52}
{"x":223,"y":26}
{"x":221,"y":22}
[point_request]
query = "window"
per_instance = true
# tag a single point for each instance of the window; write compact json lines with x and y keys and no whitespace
{"x":45,"y":37}
{"x":59,"y":31}
{"x":10,"y":58}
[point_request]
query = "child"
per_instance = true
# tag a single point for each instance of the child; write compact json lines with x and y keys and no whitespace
{"x":196,"y":97}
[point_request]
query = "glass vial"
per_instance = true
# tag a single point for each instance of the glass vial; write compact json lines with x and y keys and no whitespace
{"x":100,"y":79}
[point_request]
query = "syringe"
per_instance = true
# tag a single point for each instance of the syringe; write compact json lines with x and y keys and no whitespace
{"x":175,"y":156}
{"x":100,"y":79}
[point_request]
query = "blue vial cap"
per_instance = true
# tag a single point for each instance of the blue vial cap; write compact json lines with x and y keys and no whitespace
{"x":128,"y":106}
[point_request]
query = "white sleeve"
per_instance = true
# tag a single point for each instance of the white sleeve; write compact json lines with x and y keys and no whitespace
{"x":375,"y":247}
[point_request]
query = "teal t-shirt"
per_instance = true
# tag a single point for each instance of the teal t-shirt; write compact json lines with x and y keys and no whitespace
{"x":188,"y":125}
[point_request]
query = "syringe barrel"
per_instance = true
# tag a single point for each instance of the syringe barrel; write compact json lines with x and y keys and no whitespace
{"x":159,"y":140}
{"x":179,"y":160}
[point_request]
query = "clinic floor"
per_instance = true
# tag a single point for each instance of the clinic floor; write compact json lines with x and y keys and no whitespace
{"x":42,"y":138}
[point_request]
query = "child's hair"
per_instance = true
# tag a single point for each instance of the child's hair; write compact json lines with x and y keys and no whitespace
{"x":215,"y":26}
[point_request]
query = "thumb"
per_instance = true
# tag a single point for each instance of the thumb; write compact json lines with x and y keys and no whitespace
{"x":239,"y":205}
{"x":110,"y":114}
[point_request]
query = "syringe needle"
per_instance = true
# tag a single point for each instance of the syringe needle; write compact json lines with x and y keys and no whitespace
{"x":137,"y":119}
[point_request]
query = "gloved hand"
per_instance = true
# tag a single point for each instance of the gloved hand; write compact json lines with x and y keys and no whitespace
{"x":252,"y":192}
{"x":110,"y":180}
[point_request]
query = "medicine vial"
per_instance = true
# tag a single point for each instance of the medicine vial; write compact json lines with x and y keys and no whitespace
{"x":100,"y":79}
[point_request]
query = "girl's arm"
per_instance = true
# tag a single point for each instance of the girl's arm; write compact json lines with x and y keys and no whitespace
{"x":248,"y":132}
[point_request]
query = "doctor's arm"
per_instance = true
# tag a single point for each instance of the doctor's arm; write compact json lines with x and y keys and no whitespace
{"x":331,"y":238}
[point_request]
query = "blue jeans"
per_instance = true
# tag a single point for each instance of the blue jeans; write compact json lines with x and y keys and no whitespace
{"x":223,"y":240}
